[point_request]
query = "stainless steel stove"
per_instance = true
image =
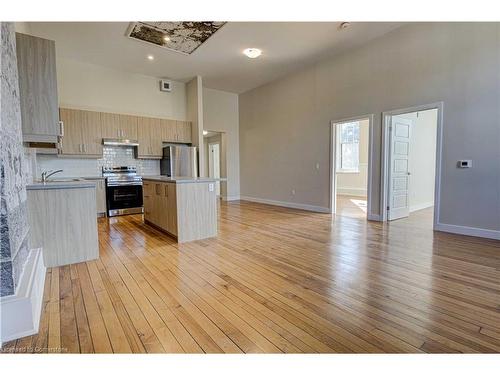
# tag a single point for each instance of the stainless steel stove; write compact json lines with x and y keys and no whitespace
{"x":123,"y":190}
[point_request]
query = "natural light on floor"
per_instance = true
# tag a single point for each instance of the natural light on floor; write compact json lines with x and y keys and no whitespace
{"x":360,"y":204}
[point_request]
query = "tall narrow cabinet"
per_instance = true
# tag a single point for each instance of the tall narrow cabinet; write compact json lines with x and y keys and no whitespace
{"x":36,"y":64}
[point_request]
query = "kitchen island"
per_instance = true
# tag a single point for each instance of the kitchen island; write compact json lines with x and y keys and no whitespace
{"x":185,"y":208}
{"x":63,"y":222}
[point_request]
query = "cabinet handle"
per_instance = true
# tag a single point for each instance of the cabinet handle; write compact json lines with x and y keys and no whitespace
{"x":79,"y":147}
{"x":61,"y":129}
{"x":84,"y":147}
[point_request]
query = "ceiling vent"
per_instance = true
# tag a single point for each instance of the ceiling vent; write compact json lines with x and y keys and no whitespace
{"x":183,"y":37}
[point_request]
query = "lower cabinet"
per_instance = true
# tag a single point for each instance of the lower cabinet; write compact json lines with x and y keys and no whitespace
{"x":187,"y":210}
{"x":160,"y":205}
{"x":100,"y":194}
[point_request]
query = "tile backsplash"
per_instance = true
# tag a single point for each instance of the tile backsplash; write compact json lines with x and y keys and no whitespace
{"x":112,"y":157}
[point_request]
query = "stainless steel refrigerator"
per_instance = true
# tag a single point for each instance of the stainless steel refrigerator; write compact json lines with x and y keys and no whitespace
{"x":179,"y":161}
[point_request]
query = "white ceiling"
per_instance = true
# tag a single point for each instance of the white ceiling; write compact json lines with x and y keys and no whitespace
{"x":286,"y":46}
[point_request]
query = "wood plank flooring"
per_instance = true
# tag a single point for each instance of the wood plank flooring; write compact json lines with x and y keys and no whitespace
{"x":276,"y":280}
{"x":352,"y":206}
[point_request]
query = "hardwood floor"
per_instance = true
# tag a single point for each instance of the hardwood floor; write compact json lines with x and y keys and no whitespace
{"x":276,"y":280}
{"x":351,"y":206}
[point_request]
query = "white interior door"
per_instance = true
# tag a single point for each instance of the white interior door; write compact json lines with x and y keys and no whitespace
{"x":399,"y":174}
{"x":214,"y":163}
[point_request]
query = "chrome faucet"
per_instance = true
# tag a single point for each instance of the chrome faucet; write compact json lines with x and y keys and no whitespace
{"x":47,"y":174}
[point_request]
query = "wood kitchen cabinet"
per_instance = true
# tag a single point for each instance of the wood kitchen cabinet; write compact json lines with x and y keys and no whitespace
{"x":160,"y":205}
{"x":36,"y":64}
{"x":176,"y":131}
{"x":120,"y":126}
{"x":82,"y":133}
{"x":100,"y":193}
{"x":168,"y":130}
{"x":185,"y":209}
{"x":147,"y":198}
{"x":183,"y":131}
{"x":171,"y":208}
{"x":149,"y":135}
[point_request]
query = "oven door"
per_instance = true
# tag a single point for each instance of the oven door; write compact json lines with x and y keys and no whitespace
{"x":123,"y":199}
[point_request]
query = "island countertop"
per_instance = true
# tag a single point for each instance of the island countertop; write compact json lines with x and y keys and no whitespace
{"x":179,"y":180}
{"x":61,"y":184}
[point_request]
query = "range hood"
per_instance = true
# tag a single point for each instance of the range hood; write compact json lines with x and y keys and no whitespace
{"x":119,"y":142}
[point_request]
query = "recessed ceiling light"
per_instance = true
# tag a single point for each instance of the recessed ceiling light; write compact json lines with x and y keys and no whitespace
{"x":252,"y":52}
{"x":151,"y":57}
{"x":166,"y":38}
{"x":205,"y":132}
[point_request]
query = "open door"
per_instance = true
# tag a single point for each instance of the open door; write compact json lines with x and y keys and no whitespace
{"x":399,"y":174}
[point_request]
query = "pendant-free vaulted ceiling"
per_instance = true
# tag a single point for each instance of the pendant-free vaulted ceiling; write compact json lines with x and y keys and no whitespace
{"x":286,"y":47}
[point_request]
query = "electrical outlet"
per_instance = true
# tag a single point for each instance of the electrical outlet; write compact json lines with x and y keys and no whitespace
{"x":317,"y":166}
{"x":210,"y":187}
{"x":293,"y":191}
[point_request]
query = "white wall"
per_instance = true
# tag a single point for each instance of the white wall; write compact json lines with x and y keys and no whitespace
{"x":422,"y":162}
{"x":287,"y":121}
{"x":220,"y":114}
{"x":355,"y":183}
{"x":98,"y":88}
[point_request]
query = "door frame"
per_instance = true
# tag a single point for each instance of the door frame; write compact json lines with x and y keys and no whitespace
{"x":386,"y":121}
{"x":332,"y":207}
{"x":210,"y":159}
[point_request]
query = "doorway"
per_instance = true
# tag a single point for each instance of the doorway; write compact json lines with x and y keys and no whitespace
{"x":214,"y":164}
{"x":215,"y":149}
{"x":351,"y":166}
{"x":411,"y":163}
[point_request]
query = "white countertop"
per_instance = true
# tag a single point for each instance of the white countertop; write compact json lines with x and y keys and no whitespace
{"x":61,"y":184}
{"x":179,"y":180}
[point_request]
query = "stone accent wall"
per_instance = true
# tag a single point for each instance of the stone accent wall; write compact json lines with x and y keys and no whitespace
{"x":14,"y":169}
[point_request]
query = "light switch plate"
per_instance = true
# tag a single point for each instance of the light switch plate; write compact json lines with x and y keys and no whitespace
{"x":210,"y":187}
{"x":464,"y":164}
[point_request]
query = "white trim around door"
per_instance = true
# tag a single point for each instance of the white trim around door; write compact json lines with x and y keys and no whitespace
{"x":333,"y":167}
{"x":386,"y":121}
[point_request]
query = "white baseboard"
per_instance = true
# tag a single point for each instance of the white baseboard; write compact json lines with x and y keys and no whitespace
{"x":299,"y":206}
{"x":468,"y":231}
{"x":231,"y":198}
{"x":356,"y":192}
{"x":21,"y":311}
{"x":421,"y":206}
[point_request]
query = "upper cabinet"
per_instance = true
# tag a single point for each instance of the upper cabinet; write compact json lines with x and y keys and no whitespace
{"x":149,"y":135}
{"x":176,"y":131}
{"x":183,"y":130}
{"x":82,"y":133}
{"x":36,"y":63}
{"x":115,"y":125}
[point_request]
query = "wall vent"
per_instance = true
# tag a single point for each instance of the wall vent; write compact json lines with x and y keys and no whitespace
{"x":165,"y":85}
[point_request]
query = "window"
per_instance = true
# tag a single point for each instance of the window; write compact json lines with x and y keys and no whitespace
{"x":348,"y":147}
